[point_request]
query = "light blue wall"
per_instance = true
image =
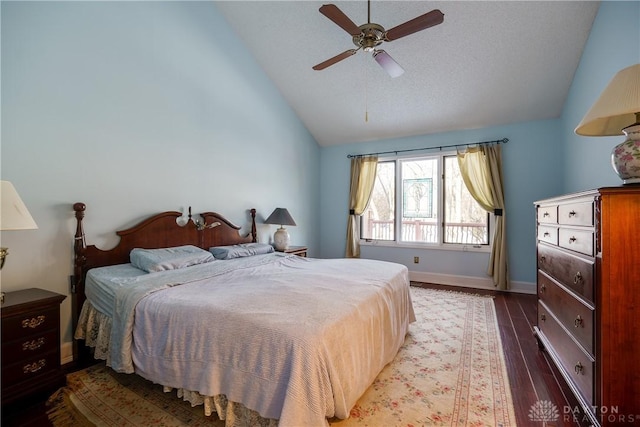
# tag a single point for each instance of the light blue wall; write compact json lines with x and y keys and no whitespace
{"x":613,"y":44}
{"x":136,"y":108}
{"x":542,"y":159}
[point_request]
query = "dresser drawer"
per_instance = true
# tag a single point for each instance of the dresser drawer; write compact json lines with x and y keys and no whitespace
{"x":25,"y":347}
{"x":575,"y":316}
{"x":547,"y":233}
{"x":30,"y":324}
{"x":580,"y":213}
{"x":548,"y":214}
{"x":573,"y":271}
{"x":30,"y":369}
{"x":577,"y":240}
{"x":579,"y":366}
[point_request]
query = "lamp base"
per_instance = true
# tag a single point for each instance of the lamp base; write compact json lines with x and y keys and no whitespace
{"x":281,"y":239}
{"x":625,"y":157}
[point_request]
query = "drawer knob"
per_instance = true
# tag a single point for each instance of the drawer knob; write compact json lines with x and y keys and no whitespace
{"x":572,"y":214}
{"x":34,"y":322}
{"x":578,"y":369}
{"x":542,"y":259}
{"x":545,"y":214}
{"x":543,"y":317}
{"x":577,"y":278}
{"x":33,"y":345}
{"x":546,"y":234}
{"x":572,"y":239}
{"x":543,"y":288}
{"x":34,"y":367}
{"x":579,"y":321}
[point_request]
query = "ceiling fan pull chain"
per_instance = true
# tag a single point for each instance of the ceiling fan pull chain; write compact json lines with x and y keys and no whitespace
{"x":366,"y":100}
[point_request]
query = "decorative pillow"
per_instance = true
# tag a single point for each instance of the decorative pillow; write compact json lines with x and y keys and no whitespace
{"x":241,"y":250}
{"x":152,"y":260}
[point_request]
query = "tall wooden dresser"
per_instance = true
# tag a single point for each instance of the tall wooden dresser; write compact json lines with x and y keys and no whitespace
{"x":588,"y":280}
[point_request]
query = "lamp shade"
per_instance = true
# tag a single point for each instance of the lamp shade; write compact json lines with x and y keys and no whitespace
{"x":617,"y":106}
{"x":13,"y":212}
{"x":280,"y":216}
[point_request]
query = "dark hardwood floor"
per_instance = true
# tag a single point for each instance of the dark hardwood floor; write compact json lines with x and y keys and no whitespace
{"x":531,"y":375}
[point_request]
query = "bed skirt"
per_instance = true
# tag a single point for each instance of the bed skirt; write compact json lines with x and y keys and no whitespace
{"x":94,"y":328}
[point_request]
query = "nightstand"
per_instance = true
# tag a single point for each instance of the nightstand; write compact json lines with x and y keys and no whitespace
{"x":30,"y":343}
{"x":296,"y":250}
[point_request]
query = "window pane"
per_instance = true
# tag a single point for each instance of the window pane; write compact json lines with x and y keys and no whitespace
{"x":465,"y":222}
{"x":377,"y":222}
{"x":419,"y":200}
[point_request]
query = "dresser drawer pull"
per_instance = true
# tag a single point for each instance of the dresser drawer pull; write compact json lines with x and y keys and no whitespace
{"x":579,"y":321}
{"x":546,"y":234}
{"x":572,"y":214}
{"x":543,"y":317}
{"x":572,"y":239}
{"x":543,"y":288}
{"x":33,"y":345}
{"x":34,"y":367}
{"x":545,"y":214}
{"x":577,"y":278}
{"x":578,"y":369}
{"x":34,"y":322}
{"x":542,"y":259}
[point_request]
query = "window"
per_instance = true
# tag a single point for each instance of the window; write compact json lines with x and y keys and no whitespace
{"x":433,"y":204}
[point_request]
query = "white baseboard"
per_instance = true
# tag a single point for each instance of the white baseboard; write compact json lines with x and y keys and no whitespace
{"x":66,"y":353}
{"x":469,"y":282}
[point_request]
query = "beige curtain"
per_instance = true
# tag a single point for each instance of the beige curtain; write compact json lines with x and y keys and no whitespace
{"x":481,"y":169}
{"x":363,"y":176}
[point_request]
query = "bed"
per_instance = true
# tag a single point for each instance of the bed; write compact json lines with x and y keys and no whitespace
{"x":257,"y":336}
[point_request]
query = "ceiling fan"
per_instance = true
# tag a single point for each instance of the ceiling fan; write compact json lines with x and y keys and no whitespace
{"x":370,"y":35}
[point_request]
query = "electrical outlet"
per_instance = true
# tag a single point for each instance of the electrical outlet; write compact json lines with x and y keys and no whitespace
{"x":416,"y":259}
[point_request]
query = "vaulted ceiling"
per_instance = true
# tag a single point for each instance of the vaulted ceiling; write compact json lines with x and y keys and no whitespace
{"x":489,"y":63}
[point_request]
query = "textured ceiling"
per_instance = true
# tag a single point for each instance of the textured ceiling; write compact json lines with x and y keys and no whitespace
{"x":489,"y":63}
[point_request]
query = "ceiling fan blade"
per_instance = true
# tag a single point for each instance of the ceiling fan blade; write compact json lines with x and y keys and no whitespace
{"x":420,"y":23}
{"x":388,"y":63}
{"x":337,"y":58}
{"x":332,"y":12}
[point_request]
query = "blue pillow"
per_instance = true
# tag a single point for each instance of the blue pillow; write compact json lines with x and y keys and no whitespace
{"x":153,"y":260}
{"x":241,"y":250}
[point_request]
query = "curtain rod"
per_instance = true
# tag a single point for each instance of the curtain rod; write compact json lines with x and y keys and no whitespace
{"x":497,"y":141}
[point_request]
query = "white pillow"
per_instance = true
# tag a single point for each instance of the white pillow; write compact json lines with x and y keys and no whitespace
{"x":153,"y":260}
{"x":241,"y":250}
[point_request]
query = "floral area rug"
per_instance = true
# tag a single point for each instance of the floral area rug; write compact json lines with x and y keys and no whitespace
{"x":449,"y":372}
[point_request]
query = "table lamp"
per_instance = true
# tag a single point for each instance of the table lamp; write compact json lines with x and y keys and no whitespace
{"x":13,"y":216}
{"x":281,"y":237}
{"x":617,"y":112}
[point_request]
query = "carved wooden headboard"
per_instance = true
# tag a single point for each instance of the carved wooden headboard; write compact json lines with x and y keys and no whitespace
{"x":158,"y":231}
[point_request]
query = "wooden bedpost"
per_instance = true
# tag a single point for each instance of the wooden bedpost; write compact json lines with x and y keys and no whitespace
{"x":77,"y":280}
{"x":254,"y":233}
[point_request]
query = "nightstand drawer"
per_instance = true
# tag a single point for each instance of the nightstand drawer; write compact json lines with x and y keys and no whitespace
{"x":30,"y":344}
{"x":26,"y":346}
{"x":30,"y":369}
{"x":30,"y":323}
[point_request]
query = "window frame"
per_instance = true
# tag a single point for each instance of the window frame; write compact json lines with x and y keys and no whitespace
{"x":440,"y":194}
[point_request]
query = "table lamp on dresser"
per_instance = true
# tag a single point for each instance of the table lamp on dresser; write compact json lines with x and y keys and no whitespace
{"x":14,"y":215}
{"x":617,"y":112}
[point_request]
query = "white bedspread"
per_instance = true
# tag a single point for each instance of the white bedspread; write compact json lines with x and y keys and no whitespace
{"x":296,"y":339}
